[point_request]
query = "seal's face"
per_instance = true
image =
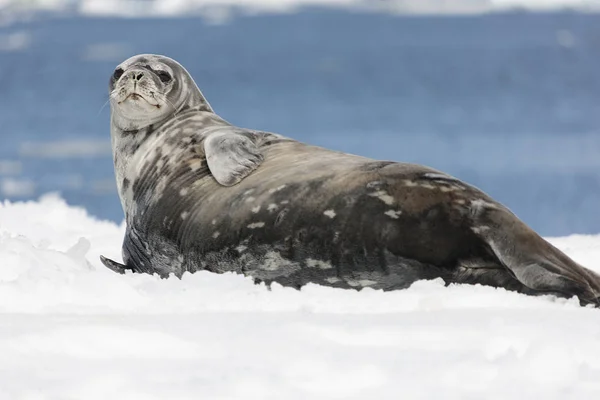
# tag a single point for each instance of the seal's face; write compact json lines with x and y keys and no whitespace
{"x":145,"y":90}
{"x":149,"y":88}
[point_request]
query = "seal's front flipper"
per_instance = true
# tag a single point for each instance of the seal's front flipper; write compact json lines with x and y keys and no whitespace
{"x":115,"y":266}
{"x":231,"y":156}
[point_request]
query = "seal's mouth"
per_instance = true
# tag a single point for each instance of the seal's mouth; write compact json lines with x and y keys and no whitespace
{"x":134,"y":96}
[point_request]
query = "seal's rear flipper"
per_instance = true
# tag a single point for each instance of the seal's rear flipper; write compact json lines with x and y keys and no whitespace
{"x":533,"y":261}
{"x":115,"y":266}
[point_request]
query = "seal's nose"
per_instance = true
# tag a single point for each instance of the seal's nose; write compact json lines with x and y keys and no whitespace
{"x":137,"y":75}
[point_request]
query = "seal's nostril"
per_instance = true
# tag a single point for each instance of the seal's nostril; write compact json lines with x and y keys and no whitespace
{"x":139,"y":76}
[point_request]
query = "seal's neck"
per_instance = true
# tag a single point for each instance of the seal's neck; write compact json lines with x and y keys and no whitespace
{"x":132,"y":148}
{"x":125,"y":144}
{"x":192,"y":98}
{"x":197,"y":102}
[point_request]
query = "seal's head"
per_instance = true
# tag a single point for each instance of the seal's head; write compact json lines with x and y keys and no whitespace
{"x":148,"y":88}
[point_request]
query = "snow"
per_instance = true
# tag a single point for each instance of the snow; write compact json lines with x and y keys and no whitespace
{"x":72,"y":329}
{"x":218,"y":9}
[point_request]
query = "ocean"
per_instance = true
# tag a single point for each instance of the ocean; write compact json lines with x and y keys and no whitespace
{"x":508,"y":102}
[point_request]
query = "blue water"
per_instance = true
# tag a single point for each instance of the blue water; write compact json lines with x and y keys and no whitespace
{"x":509,"y":103}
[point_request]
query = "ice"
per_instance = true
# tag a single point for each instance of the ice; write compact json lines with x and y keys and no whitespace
{"x":65,"y":149}
{"x":217,"y":9}
{"x":10,"y":187}
{"x":72,"y":329}
{"x":14,"y":41}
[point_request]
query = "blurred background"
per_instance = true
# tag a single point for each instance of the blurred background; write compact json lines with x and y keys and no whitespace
{"x":504,"y":94}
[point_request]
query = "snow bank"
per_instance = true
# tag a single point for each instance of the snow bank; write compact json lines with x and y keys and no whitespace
{"x":71,"y":329}
{"x":141,"y":8}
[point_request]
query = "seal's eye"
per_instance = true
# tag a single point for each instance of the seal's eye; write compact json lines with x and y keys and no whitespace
{"x":118,"y":73}
{"x":164,"y":76}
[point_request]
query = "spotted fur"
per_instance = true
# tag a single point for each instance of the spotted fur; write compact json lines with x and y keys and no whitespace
{"x":293,"y":213}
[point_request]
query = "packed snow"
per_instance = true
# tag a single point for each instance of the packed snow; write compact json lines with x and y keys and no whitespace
{"x":72,"y":329}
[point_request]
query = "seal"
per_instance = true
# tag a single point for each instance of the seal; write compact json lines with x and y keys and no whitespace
{"x":199,"y":193}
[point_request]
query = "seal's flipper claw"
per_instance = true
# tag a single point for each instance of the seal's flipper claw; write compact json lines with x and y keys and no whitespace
{"x":115,"y":266}
{"x":231,"y":156}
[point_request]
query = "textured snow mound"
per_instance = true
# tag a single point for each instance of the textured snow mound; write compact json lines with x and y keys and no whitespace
{"x":71,"y":329}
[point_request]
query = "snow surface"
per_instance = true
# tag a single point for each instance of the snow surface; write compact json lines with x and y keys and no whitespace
{"x":71,"y":329}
